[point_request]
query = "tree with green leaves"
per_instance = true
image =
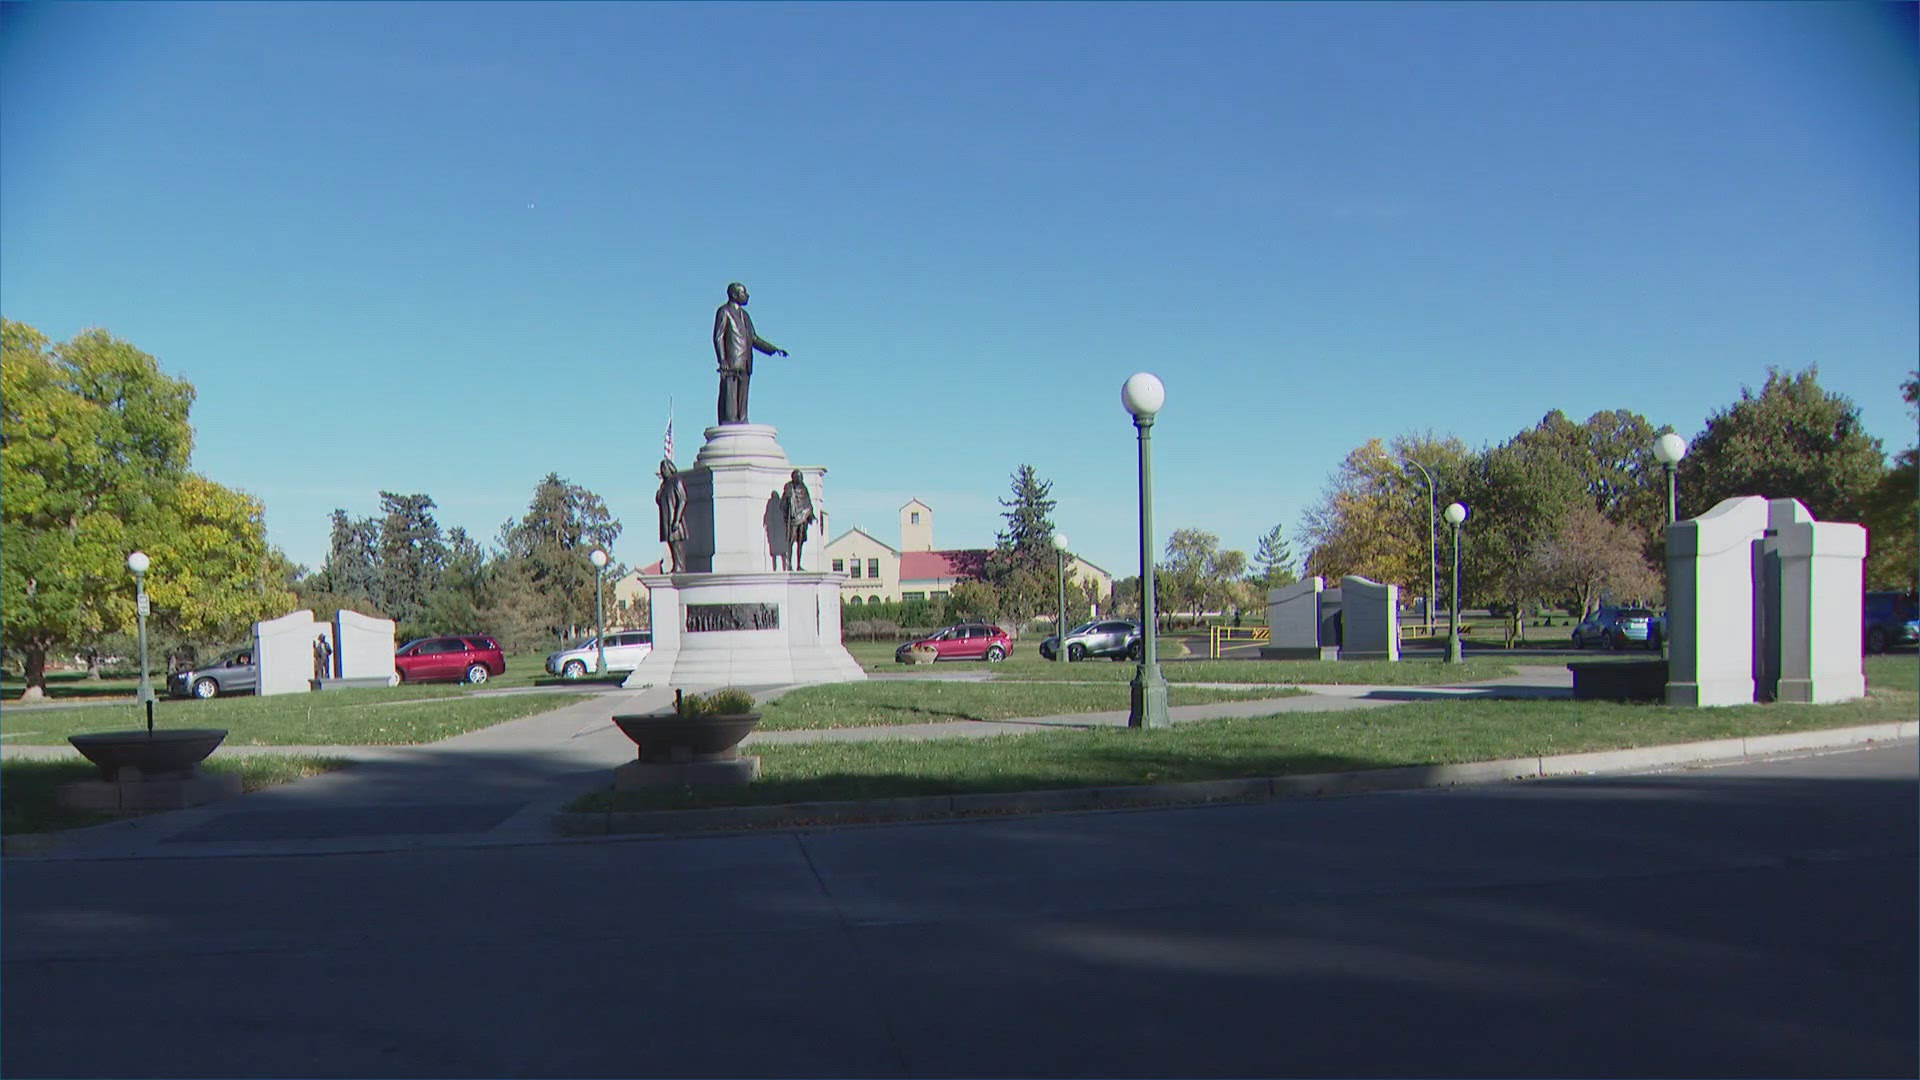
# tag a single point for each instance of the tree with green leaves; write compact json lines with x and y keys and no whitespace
{"x":1791,"y":440}
{"x":1272,"y":564}
{"x":563,"y":523}
{"x":95,"y":446}
{"x":1891,"y":513}
{"x":411,"y":556}
{"x":1022,"y":568}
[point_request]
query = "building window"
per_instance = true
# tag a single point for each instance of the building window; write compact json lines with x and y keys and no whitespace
{"x":913,"y":597}
{"x":854,"y":568}
{"x":854,"y":600}
{"x":873,"y":568}
{"x":839,"y":566}
{"x":914,"y":517}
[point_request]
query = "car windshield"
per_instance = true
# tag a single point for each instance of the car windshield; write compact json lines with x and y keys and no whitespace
{"x":1636,"y":613}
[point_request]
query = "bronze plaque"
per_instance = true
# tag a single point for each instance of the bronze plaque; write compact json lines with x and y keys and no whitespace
{"x":702,"y":617}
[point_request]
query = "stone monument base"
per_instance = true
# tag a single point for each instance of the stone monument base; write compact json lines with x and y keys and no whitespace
{"x":725,"y":772}
{"x":343,"y":684}
{"x":1323,"y":652}
{"x":134,"y":792}
{"x":765,"y":628}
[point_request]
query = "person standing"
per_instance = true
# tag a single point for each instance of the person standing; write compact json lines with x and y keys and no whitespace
{"x":734,"y":343}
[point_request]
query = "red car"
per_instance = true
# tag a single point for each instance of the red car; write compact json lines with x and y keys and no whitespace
{"x":968,"y":641}
{"x":473,"y":658}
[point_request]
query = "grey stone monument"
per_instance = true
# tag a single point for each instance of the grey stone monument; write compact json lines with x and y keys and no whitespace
{"x":1370,"y":620}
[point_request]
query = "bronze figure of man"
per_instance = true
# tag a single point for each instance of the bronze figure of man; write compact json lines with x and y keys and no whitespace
{"x":734,"y":343}
{"x":671,"y":498}
{"x":798,"y":505}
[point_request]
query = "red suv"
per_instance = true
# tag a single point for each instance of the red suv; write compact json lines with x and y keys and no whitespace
{"x":470,"y":658}
{"x":968,"y":641}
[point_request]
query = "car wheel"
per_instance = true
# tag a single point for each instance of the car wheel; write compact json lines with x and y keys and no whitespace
{"x":399,"y":675}
{"x":1076,"y":652}
{"x":206,"y":688}
{"x":1578,"y":641}
{"x":573,"y":669}
{"x":1876,"y":640}
{"x":477,"y":674}
{"x":995,"y":654}
{"x":1137,"y":653}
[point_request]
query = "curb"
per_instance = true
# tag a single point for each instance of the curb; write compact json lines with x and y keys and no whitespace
{"x":1201,"y":792}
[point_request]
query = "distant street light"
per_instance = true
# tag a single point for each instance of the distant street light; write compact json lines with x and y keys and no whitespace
{"x":1456,"y":514}
{"x":1060,"y":557}
{"x":1143,"y":394}
{"x":1433,"y":546}
{"x":599,"y":560}
{"x":138,"y":563}
{"x":1668,"y":449}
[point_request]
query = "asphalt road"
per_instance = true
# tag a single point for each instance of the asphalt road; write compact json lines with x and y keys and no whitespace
{"x":1745,"y":921}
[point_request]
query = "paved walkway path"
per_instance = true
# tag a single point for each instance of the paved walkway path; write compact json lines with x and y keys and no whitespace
{"x":503,"y":784}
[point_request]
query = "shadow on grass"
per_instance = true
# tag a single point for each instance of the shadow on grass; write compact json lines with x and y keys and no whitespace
{"x":73,"y":686}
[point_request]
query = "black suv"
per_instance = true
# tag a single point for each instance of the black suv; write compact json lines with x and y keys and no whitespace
{"x":1889,"y":619}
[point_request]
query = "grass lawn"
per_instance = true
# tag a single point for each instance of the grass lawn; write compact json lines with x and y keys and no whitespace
{"x":874,"y":704}
{"x":28,"y":789}
{"x":1416,"y":733}
{"x":362,"y":716}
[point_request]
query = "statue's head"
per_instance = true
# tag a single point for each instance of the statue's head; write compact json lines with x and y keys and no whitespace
{"x":737,"y":293}
{"x":796,"y":476}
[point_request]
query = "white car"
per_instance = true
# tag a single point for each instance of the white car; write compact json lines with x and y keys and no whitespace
{"x":625,"y":650}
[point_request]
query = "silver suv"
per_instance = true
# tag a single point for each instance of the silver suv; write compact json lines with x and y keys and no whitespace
{"x":1117,"y":638}
{"x":231,"y":674}
{"x":625,"y":650}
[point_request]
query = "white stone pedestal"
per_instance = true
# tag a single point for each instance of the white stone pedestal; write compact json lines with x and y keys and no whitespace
{"x":744,"y":629}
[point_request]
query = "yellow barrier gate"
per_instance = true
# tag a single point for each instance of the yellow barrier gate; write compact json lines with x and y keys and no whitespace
{"x":1222,"y":634}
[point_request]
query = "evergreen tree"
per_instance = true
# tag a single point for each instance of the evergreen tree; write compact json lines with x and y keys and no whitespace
{"x":563,"y":523}
{"x":412,"y":555}
{"x":1272,"y":564}
{"x":1022,"y":568}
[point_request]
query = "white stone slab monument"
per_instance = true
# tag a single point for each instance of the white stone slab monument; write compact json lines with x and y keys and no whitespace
{"x":1370,"y":620}
{"x":363,"y":651}
{"x":1763,"y":603}
{"x":283,"y":652}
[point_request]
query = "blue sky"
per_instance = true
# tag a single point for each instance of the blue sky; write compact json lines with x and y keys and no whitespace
{"x":448,"y":248}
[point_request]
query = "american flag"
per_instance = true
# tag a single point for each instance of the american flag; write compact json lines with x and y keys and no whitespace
{"x":667,"y":449}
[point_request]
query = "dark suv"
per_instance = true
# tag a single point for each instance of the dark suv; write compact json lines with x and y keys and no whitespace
{"x":1889,"y":619}
{"x":470,"y":658}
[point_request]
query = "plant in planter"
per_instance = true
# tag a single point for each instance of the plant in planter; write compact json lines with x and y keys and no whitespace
{"x":694,"y":744}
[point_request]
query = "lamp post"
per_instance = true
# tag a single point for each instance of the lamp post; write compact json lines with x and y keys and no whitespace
{"x":599,"y":560}
{"x":1456,"y":513}
{"x":1668,"y":449}
{"x":1060,"y":557}
{"x":1143,"y":394}
{"x":138,"y":563}
{"x":1433,"y":546}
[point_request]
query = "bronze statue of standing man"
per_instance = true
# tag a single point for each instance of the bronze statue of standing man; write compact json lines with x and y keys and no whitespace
{"x":734,"y":343}
{"x":671,"y":498}
{"x":797,"y":506}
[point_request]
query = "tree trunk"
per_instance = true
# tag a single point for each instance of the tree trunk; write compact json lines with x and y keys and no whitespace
{"x":33,"y":663}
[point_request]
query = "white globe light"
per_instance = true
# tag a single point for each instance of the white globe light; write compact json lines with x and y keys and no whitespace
{"x":1456,"y":514}
{"x":1060,"y":541}
{"x":138,"y":562}
{"x":598,"y":558}
{"x":1668,"y":449}
{"x":1143,"y":394}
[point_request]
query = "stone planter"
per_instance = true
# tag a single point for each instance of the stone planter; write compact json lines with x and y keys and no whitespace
{"x":148,"y":770}
{"x":171,"y":754}
{"x":1619,"y":680}
{"x":687,"y":751}
{"x":922,"y":656}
